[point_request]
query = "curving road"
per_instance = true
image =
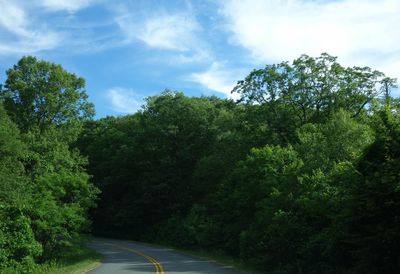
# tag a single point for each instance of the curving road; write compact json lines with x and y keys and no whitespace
{"x":122,"y":257}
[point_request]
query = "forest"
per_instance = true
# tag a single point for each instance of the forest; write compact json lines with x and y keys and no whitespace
{"x":301,"y":174}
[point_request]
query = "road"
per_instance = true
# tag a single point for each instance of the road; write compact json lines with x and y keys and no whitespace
{"x":122,"y":257}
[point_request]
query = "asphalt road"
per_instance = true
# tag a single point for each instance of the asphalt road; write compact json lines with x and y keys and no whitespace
{"x":122,"y":257}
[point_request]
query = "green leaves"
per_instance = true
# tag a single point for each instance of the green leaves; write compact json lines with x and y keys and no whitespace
{"x":341,"y":138}
{"x":45,"y":193}
{"x":17,"y":242}
{"x":12,"y":151}
{"x":301,"y":178}
{"x":39,"y":94}
{"x":372,"y":216}
{"x":314,"y":88}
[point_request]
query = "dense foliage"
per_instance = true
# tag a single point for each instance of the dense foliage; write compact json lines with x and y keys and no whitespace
{"x":45,"y":192}
{"x":301,"y":175}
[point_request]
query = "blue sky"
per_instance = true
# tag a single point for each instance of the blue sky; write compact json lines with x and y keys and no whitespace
{"x":127,"y":50}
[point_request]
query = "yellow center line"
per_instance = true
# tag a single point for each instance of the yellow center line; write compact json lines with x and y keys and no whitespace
{"x":157,"y":265}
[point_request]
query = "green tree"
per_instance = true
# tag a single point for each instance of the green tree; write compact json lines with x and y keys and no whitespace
{"x":38,"y":95}
{"x":49,"y":106}
{"x":17,"y":241}
{"x":313,"y":88}
{"x":267,"y":173}
{"x":339,"y":139}
{"x":12,"y":151}
{"x":299,"y":176}
{"x":373,"y":219}
{"x":150,"y":159}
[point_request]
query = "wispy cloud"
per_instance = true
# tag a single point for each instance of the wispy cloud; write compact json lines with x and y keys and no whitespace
{"x":13,"y":18}
{"x":175,"y":32}
{"x":199,"y":56}
{"x":124,"y":100}
{"x":65,"y":5}
{"x":21,"y":36}
{"x":218,"y":79}
{"x":359,"y":32}
{"x":162,"y":31}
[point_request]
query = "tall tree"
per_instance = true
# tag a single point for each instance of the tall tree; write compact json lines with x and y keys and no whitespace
{"x":17,"y":242}
{"x":49,"y":106}
{"x":39,"y":94}
{"x":373,"y":218}
{"x":313,"y":88}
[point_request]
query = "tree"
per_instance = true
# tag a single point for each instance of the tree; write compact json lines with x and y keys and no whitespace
{"x":339,"y":139}
{"x":372,"y":219}
{"x":313,"y":88}
{"x":265,"y":173}
{"x":12,"y":150}
{"x":46,"y":188}
{"x":38,"y":95}
{"x":299,"y":176}
{"x":17,"y":241}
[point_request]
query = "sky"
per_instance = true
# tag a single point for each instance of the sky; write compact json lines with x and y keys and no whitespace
{"x":130,"y":49}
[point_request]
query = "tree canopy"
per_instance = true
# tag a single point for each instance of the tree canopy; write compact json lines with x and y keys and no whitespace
{"x":290,"y":178}
{"x":314,"y":87}
{"x":39,"y":94}
{"x":45,"y":193}
{"x":300,"y":175}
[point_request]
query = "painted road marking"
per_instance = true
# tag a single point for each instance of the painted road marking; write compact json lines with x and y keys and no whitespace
{"x":157,"y":265}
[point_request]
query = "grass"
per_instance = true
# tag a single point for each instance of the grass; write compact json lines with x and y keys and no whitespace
{"x":76,"y":259}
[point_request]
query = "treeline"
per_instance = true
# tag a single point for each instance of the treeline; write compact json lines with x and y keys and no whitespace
{"x":45,"y":192}
{"x":301,"y":175}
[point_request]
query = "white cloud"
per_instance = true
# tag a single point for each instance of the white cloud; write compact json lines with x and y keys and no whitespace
{"x":169,"y":32}
{"x":163,"y":31}
{"x":124,"y":100}
{"x":22,"y":37}
{"x":13,"y":18}
{"x":67,"y":5}
{"x":218,"y":79}
{"x":179,"y":59}
{"x":359,"y":32}
{"x":35,"y":43}
{"x":199,"y":56}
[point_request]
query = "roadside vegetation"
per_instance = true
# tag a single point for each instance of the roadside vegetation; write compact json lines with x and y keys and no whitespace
{"x":299,"y":175}
{"x":75,"y":259}
{"x":45,"y":192}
